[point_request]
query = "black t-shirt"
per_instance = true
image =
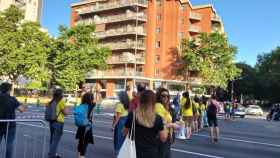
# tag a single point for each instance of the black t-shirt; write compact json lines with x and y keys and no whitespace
{"x":8,"y":106}
{"x":146,"y":139}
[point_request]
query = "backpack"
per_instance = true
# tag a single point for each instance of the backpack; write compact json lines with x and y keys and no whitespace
{"x":50,"y":112}
{"x":81,"y":115}
{"x":212,"y":110}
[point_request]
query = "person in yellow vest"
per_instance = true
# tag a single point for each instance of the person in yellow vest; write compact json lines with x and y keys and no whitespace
{"x":121,"y":112}
{"x":197,"y":114}
{"x":203,"y":121}
{"x":187,"y":113}
{"x":163,"y":109}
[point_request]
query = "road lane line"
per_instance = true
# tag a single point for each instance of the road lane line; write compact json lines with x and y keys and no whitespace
{"x":194,"y":153}
{"x":111,"y":139}
{"x":240,"y":140}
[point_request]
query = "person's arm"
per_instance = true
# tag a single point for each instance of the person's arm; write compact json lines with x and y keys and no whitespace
{"x":20,"y":107}
{"x":116,"y":120}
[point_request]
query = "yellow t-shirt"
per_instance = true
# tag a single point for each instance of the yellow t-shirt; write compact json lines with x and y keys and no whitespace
{"x":120,"y":109}
{"x":197,"y":108}
{"x":163,"y":113}
{"x":59,"y":111}
{"x":202,"y":107}
{"x":185,"y":112}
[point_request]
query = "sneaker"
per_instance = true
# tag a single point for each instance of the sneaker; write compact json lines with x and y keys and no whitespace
{"x":216,"y":140}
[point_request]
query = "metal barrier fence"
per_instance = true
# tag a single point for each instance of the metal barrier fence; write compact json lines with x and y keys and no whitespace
{"x":28,"y":143}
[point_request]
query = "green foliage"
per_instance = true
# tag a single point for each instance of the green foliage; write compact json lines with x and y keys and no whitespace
{"x":268,"y":76}
{"x":35,"y":85}
{"x":75,"y":53}
{"x":212,"y":57}
{"x":23,"y":47}
{"x":247,"y":83}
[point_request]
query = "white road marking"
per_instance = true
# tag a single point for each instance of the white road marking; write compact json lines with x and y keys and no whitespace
{"x":109,"y":138}
{"x":243,"y":141}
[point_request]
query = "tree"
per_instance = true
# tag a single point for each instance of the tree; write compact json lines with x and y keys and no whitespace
{"x":268,"y":75}
{"x":211,"y":57}
{"x":75,"y":53}
{"x":247,"y":82}
{"x":24,"y":47}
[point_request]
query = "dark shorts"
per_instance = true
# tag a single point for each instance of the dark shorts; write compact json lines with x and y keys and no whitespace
{"x":212,"y":120}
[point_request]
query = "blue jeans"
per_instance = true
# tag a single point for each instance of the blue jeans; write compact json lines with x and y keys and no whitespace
{"x":10,"y":140}
{"x":205,"y":119}
{"x":56,"y":130}
{"x":118,"y":135}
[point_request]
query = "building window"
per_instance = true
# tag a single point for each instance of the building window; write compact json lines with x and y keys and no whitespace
{"x":182,"y":7}
{"x":158,"y":44}
{"x":158,"y":30}
{"x":158,"y":17}
{"x":157,"y":59}
{"x":159,"y":2}
{"x":157,"y":72}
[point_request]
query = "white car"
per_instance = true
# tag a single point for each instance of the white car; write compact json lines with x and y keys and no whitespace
{"x":69,"y":98}
{"x":254,"y":110}
{"x":109,"y":102}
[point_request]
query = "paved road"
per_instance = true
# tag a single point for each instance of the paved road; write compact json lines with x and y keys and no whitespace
{"x":242,"y":138}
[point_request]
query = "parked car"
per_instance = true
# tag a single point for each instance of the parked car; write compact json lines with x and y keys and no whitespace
{"x":240,"y":112}
{"x":109,"y":102}
{"x":69,"y":98}
{"x":254,"y":110}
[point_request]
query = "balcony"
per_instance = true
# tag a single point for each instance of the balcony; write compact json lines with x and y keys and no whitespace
{"x":99,"y":7}
{"x":216,"y":18}
{"x":114,"y":19}
{"x":120,"y":60}
{"x":195,"y":16}
{"x":125,"y":45}
{"x":120,"y":32}
{"x":194,"y":29}
{"x":114,"y":73}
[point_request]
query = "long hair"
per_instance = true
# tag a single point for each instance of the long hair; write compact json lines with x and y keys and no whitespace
{"x":158,"y":95}
{"x":145,"y":113}
{"x":57,"y":95}
{"x":188,"y":100}
{"x":124,"y":99}
{"x":88,"y":98}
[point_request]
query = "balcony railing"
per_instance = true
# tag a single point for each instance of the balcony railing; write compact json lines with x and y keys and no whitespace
{"x":113,"y":5}
{"x":195,"y":16}
{"x":194,"y":28}
{"x":120,"y":32}
{"x":114,"y":73}
{"x":121,"y":60}
{"x":113,"y":19}
{"x":216,"y":18}
{"x":125,"y":45}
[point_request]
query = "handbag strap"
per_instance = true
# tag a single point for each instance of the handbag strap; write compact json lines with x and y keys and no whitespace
{"x":132,"y":130}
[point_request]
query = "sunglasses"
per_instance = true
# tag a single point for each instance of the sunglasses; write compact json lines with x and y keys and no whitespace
{"x":164,"y":95}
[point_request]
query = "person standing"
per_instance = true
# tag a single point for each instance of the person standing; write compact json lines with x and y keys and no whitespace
{"x":84,"y":133}
{"x":196,"y":114}
{"x":135,"y":102}
{"x":163,"y":109}
{"x":187,"y":113}
{"x":148,"y":126}
{"x":176,"y":103}
{"x":212,"y":110}
{"x":8,"y":106}
{"x":203,"y":121}
{"x":121,"y":112}
{"x":55,"y":113}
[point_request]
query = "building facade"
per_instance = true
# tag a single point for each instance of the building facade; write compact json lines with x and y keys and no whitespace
{"x":32,"y":8}
{"x":145,"y":37}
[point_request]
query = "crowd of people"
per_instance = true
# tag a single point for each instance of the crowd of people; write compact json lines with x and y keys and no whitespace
{"x":156,"y":120}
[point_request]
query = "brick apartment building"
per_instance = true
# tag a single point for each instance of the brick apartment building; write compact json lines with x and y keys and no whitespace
{"x":145,"y":37}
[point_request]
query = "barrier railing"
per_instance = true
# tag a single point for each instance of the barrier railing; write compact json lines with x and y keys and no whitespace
{"x":20,"y":140}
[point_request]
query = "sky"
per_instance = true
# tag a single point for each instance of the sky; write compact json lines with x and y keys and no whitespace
{"x":251,"y":25}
